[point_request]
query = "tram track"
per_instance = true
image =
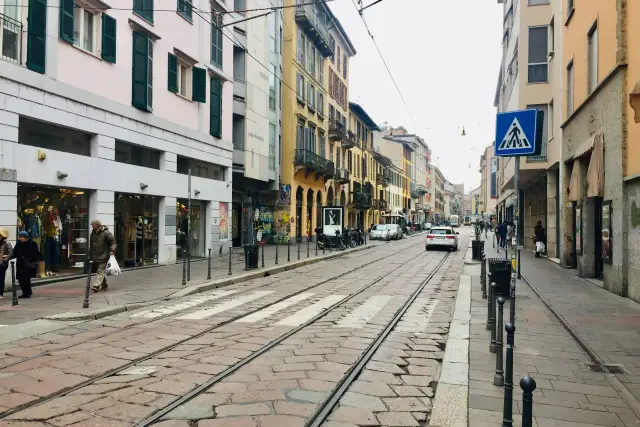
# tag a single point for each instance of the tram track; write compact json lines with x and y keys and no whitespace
{"x":164,"y":316}
{"x":218,"y":325}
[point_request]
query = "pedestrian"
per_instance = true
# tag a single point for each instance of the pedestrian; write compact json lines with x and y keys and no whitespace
{"x":102,"y":246}
{"x":6,"y":249}
{"x":502,"y":230}
{"x":540,"y":237}
{"x":27,"y":256}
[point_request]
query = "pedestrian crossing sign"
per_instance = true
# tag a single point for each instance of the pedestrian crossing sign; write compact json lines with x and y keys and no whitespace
{"x":519,"y":133}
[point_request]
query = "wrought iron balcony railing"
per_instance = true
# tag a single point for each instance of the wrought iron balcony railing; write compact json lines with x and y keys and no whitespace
{"x":11,"y":39}
{"x":342,"y":176}
{"x":314,"y":23}
{"x":337,"y":130}
{"x":311,"y":162}
{"x":361,"y":200}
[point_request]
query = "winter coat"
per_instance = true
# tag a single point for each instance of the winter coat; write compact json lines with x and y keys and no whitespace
{"x":5,"y":249}
{"x":502,"y":230}
{"x":102,"y":243}
{"x":27,"y":256}
{"x":540,"y":235}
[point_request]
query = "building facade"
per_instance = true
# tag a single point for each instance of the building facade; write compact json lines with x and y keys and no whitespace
{"x":76,"y":148}
{"x":439,"y":193}
{"x":257,"y":115}
{"x":488,"y":182}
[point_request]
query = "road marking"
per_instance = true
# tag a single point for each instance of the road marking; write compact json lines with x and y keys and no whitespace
{"x":301,"y":316}
{"x":364,"y":313}
{"x":269,"y":311}
{"x":2,"y":326}
{"x":138,"y":370}
{"x":211,"y":311}
{"x":417,"y":318}
{"x":194,"y":302}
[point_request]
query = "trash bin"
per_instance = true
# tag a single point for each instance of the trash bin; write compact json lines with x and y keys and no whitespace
{"x":477,"y":248}
{"x":251,"y":256}
{"x":500,"y":270}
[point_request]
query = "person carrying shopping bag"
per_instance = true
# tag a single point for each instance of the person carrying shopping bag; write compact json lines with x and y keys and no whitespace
{"x":102,"y":247}
{"x":6,"y":249}
{"x":540,"y":238}
{"x":27,"y":255}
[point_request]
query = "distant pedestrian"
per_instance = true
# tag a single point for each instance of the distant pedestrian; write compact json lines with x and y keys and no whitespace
{"x":27,"y":255}
{"x":5,"y":252}
{"x":102,"y":246}
{"x":540,"y":237}
{"x":502,"y":232}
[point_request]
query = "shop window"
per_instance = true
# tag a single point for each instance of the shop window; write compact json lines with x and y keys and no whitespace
{"x":200,"y":169}
{"x":57,"y":219}
{"x":137,"y":155}
{"x":52,"y":137}
{"x":191,"y":228}
{"x":136,"y":229}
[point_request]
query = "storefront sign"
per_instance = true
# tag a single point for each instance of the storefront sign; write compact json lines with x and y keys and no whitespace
{"x":333,"y":218}
{"x":578,"y":225}
{"x":606,"y":232}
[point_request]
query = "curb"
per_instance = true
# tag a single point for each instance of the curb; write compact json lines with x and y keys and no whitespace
{"x":624,"y":392}
{"x":203,"y":287}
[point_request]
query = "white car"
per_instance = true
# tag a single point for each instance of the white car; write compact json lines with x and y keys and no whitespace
{"x":378,"y":231}
{"x":442,"y":237}
{"x":428,"y":226}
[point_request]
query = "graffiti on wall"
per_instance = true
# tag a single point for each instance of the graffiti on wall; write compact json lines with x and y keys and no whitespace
{"x":224,"y":221}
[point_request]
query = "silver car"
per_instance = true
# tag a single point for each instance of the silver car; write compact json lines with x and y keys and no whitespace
{"x":442,"y":237}
{"x":378,"y":232}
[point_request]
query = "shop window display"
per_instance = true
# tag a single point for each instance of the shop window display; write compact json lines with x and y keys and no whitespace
{"x":136,"y":229}
{"x":195,"y":236}
{"x":57,"y":219}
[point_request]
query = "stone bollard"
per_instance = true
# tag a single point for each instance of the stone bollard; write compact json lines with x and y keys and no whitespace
{"x":492,"y":321}
{"x":528,"y":385}
{"x":489,"y":304}
{"x":498,"y":378}
{"x":14,"y":290}
{"x":483,"y":277}
{"x":507,"y":414}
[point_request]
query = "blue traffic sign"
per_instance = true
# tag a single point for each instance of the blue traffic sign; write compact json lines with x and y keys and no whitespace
{"x":516,"y":133}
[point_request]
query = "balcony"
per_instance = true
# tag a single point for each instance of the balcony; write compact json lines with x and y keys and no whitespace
{"x":421,"y":189}
{"x":361,"y":200}
{"x":311,"y":162}
{"x":342,"y":176}
{"x":337,"y":131}
{"x":11,"y":38}
{"x":383,"y":179}
{"x":314,"y":23}
{"x":380,"y":204}
{"x":419,"y":206}
{"x":350,"y":141}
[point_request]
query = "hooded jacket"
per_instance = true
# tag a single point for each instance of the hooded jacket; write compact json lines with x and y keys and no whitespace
{"x":102,"y":242}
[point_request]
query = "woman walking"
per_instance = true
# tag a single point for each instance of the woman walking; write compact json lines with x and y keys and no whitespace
{"x":5,"y":252}
{"x":540,"y":237}
{"x":27,"y":255}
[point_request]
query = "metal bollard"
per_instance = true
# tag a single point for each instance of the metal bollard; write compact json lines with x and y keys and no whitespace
{"x":209,"y":266}
{"x":316,"y":245}
{"x":494,"y":304}
{"x":528,"y":385}
{"x":14,"y":290}
{"x":184,"y":268}
{"x":330,"y":245}
{"x":365,"y":237}
{"x":87,"y":288}
{"x":519,"y":275}
{"x":262,"y":254}
{"x":308,"y":247}
{"x":483,"y":277}
{"x":229,"y":260}
{"x":289,"y":250}
{"x":512,"y":302}
{"x":324,"y":244}
{"x":276,"y":251}
{"x":507,"y":414}
{"x":299,"y":248}
{"x":498,"y":378}
{"x":489,"y":304}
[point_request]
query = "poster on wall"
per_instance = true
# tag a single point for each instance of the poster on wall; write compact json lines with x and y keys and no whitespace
{"x":606,"y":232}
{"x":332,"y":220}
{"x":578,"y":223}
{"x":224,"y":221}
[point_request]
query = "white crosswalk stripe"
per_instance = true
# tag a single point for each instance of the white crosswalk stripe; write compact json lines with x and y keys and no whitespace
{"x":301,"y":316}
{"x":270,"y":311}
{"x":236,"y":302}
{"x":417,"y":318}
{"x":364,"y":312}
{"x":185,"y":305}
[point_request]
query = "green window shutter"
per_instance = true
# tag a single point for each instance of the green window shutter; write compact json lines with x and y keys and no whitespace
{"x":66,"y":20}
{"x":108,"y":38}
{"x":199,"y":89}
{"x":215,"y":117}
{"x":139,"y":90}
{"x":37,"y":36}
{"x":173,"y":73}
{"x":144,"y":8}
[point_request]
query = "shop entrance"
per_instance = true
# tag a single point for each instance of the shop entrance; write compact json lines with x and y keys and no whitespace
{"x":236,"y":226}
{"x":191,"y":240}
{"x":57,"y":219}
{"x":136,"y":229}
{"x":599,"y":264}
{"x":299,"y":196}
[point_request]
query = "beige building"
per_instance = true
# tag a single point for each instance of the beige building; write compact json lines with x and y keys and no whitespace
{"x":531,"y":77}
{"x":488,"y":192}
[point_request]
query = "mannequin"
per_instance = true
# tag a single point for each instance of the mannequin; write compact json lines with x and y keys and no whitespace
{"x":52,"y":229}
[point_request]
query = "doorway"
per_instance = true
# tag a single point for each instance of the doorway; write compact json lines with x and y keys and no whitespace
{"x":299,"y":196}
{"x":236,"y":225}
{"x":599,"y":264}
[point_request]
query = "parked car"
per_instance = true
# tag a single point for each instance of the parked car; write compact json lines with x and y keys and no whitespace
{"x":442,"y":237}
{"x":395,"y":231}
{"x":378,"y":232}
{"x":428,"y":226}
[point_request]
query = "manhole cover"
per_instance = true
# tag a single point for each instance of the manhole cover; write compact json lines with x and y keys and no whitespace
{"x":611,"y":369}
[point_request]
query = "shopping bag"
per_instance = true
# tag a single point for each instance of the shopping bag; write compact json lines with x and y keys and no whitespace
{"x":540,"y":247}
{"x":113,"y":269}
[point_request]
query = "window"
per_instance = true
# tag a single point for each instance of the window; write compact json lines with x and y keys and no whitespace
{"x":36,"y":35}
{"x":108,"y":38}
{"x":272,"y":146}
{"x":312,"y":61}
{"x":137,"y":155}
{"x":272,"y":89}
{"x":338,"y":58}
{"x":310,"y":140}
{"x":300,"y":135}
{"x":322,"y":144}
{"x":199,"y":168}
{"x":185,"y":9}
{"x":10,"y":37}
{"x":83,"y":28}
{"x":239,"y":5}
{"x":183,"y":79}
{"x":216,"y":41}
{"x":311,"y":96}
{"x":142,"y":72}
{"x":52,"y":137}
{"x":538,"y":52}
{"x":300,"y":87}
{"x":570,"y":88}
{"x":215,"y":112}
{"x":592,"y":58}
{"x":320,"y":64}
{"x":344,"y":65}
{"x":302,"y":47}
{"x":330,"y":82}
{"x":332,"y":112}
{"x":332,"y":43}
{"x":320,"y":104}
{"x":144,"y":9}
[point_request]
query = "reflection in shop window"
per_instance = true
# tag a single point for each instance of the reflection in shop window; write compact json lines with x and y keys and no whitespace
{"x":200,"y":169}
{"x":136,"y":229}
{"x":57,"y":219}
{"x":191,"y":239}
{"x":52,"y":137}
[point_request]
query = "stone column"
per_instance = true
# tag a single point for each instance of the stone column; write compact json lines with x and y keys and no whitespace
{"x":101,"y":206}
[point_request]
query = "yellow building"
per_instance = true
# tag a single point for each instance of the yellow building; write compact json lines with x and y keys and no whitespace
{"x":315,"y":49}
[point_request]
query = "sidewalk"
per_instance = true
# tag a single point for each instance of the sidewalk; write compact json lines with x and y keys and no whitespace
{"x":140,"y":285}
{"x":568,"y":393}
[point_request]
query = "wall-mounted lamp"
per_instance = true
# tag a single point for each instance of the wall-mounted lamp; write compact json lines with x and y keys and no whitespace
{"x":62,"y":175}
{"x":196,"y":192}
{"x":42,"y":156}
{"x":143,"y":186}
{"x":228,"y":184}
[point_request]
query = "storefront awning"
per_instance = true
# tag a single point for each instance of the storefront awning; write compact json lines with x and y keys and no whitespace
{"x":575,"y":189}
{"x":595,"y":173}
{"x":586,"y":146}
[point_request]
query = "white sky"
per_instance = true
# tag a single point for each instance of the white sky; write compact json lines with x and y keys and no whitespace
{"x":445,"y":56}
